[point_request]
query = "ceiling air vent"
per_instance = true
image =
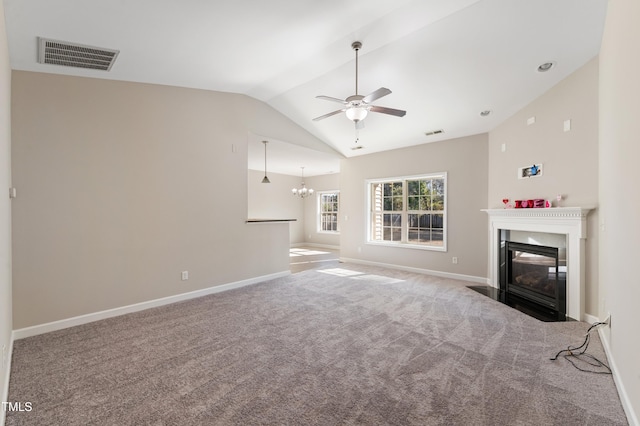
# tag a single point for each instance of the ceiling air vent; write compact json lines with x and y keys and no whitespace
{"x":57,"y":52}
{"x":434,"y":132}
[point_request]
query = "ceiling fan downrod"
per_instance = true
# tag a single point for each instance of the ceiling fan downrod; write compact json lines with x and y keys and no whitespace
{"x":356,"y":45}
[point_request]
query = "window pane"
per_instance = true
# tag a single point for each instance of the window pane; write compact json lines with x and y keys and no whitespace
{"x":437,"y":221}
{"x":438,"y":186}
{"x":397,"y":234}
{"x":396,"y":219}
{"x":388,"y":189}
{"x":438,"y":202}
{"x":425,"y":220}
{"x":397,"y":188}
{"x":425,"y":202}
{"x":397,"y":204}
{"x":414,"y":187}
{"x":414,"y":203}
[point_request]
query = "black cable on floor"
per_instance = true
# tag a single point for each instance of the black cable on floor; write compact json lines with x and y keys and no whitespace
{"x":573,"y":354}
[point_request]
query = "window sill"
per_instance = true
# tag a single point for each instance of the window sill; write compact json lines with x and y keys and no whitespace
{"x":328,"y":232}
{"x":442,"y":248}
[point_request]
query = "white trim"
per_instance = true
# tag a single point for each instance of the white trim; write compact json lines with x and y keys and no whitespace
{"x":109,"y":313}
{"x":407,"y":245}
{"x":632,"y":418}
{"x":461,"y":277}
{"x":5,"y":385}
{"x":316,"y":245}
{"x":591,"y":319}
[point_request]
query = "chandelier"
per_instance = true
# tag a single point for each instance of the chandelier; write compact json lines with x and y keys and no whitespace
{"x":302,"y":192}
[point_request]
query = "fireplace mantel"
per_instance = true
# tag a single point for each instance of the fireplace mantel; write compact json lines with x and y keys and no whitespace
{"x":570,"y":221}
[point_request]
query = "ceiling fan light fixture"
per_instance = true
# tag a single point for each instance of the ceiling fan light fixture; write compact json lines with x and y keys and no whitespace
{"x":356,"y":113}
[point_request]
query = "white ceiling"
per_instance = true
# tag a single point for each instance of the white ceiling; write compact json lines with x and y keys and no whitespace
{"x":444,"y":60}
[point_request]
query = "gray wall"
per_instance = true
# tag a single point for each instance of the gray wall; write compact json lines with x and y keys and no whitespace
{"x":124,"y":185}
{"x":619,"y":195}
{"x":570,"y":159}
{"x":5,"y":208}
{"x":465,"y":160}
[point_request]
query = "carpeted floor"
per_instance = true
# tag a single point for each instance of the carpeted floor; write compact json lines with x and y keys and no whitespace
{"x":345,"y":345}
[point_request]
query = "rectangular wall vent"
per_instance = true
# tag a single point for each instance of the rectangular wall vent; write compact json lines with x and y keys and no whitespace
{"x":434,"y":132}
{"x":57,"y":52}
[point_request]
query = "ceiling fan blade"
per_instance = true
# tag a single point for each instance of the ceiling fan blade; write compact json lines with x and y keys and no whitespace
{"x":329,"y":98}
{"x":383,"y":91}
{"x":390,"y":111}
{"x":329,"y":114}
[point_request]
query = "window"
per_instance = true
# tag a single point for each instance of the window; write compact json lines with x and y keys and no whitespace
{"x":409,"y":211}
{"x":328,"y":211}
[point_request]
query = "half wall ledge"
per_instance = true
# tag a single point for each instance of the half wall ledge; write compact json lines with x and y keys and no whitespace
{"x":269,"y":220}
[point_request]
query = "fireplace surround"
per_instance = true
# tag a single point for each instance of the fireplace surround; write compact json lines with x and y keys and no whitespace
{"x":569,"y":221}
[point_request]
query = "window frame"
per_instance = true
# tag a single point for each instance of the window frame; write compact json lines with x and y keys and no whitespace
{"x":405,"y":212}
{"x":319,"y":212}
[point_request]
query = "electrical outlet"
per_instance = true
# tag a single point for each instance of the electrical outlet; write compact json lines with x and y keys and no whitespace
{"x":454,"y":260}
{"x":185,"y":275}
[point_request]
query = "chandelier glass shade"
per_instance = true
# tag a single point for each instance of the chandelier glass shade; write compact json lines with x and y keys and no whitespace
{"x":303,"y":191}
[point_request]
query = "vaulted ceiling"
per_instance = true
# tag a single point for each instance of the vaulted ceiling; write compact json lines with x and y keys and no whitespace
{"x":445,"y":61}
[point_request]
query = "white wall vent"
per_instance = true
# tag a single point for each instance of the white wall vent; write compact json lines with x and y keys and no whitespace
{"x":57,"y":52}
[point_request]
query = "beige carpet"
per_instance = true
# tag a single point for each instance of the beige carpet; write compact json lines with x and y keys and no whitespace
{"x":347,"y":345}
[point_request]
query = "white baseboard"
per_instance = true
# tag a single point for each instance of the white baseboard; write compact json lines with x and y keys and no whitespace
{"x":461,"y":277}
{"x":590,"y":318}
{"x":5,"y":385}
{"x":316,"y":245}
{"x":96,"y":316}
{"x":632,"y":417}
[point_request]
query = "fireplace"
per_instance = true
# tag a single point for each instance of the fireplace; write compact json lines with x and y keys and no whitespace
{"x":567,"y":222}
{"x":533,"y":275}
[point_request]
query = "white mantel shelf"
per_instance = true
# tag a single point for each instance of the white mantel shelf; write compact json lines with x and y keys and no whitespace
{"x":570,"y":221}
{"x":541,"y":212}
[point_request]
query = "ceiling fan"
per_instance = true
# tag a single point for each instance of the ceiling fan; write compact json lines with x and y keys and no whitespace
{"x":356,"y":107}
